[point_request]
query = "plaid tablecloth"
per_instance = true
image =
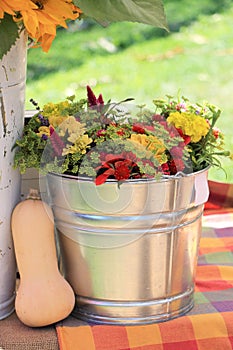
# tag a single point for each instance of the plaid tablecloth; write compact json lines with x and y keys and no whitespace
{"x":208,"y":326}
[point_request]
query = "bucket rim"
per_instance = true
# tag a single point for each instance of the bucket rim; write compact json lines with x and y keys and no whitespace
{"x":164,"y":178}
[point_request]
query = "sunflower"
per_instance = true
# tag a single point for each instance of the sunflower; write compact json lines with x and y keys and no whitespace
{"x":41,"y":17}
{"x":4,"y":7}
{"x":41,"y":23}
{"x":13,"y":6}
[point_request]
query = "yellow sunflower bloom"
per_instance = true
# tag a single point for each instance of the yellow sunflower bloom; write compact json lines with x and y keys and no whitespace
{"x":41,"y":22}
{"x":13,"y":6}
{"x":4,"y":7}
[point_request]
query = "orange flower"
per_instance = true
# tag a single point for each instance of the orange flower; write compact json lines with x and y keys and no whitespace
{"x":13,"y":6}
{"x":4,"y":7}
{"x":41,"y":23}
{"x":40,"y":18}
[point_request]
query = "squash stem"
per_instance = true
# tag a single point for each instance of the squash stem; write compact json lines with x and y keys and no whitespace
{"x":33,"y":194}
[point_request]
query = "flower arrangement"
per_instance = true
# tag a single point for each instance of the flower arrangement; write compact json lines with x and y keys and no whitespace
{"x":105,"y":141}
{"x":41,"y":18}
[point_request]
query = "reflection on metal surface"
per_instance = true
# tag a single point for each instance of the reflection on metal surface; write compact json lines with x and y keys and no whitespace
{"x":130,"y":253}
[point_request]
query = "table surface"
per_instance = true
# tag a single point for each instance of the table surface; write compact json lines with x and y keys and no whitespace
{"x":208,"y":326}
{"x":16,"y":336}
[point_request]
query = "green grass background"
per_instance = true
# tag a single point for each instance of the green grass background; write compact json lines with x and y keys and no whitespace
{"x":135,"y":60}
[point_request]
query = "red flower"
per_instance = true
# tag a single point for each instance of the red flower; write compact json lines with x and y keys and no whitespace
{"x":122,"y":171}
{"x":120,"y":132}
{"x":141,"y":128}
{"x":186,"y":138}
{"x":216,"y":132}
{"x":165,"y":169}
{"x":115,"y":167}
{"x":172,"y":167}
{"x":100,"y":133}
{"x":56,"y":142}
{"x":92,"y":100}
{"x":175,"y":165}
{"x":100,"y":179}
{"x":138,"y":129}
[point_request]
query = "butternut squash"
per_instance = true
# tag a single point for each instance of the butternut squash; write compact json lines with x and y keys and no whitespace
{"x":43,"y":296}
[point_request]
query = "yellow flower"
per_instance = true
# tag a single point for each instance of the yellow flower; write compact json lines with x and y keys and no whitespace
{"x":152,"y":144}
{"x":55,"y":112}
{"x":55,"y":108}
{"x":80,"y":145}
{"x":191,"y":124}
{"x":73,"y":127}
{"x":43,"y":130}
{"x":41,"y":21}
{"x":57,"y":120}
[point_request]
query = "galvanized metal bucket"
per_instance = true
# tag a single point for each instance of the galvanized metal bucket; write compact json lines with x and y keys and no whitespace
{"x":130,"y":253}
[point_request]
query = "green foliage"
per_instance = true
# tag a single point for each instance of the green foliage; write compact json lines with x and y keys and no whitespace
{"x":104,"y":11}
{"x":90,"y":40}
{"x":9,"y":34}
{"x":183,"y":12}
{"x":29,"y":148}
